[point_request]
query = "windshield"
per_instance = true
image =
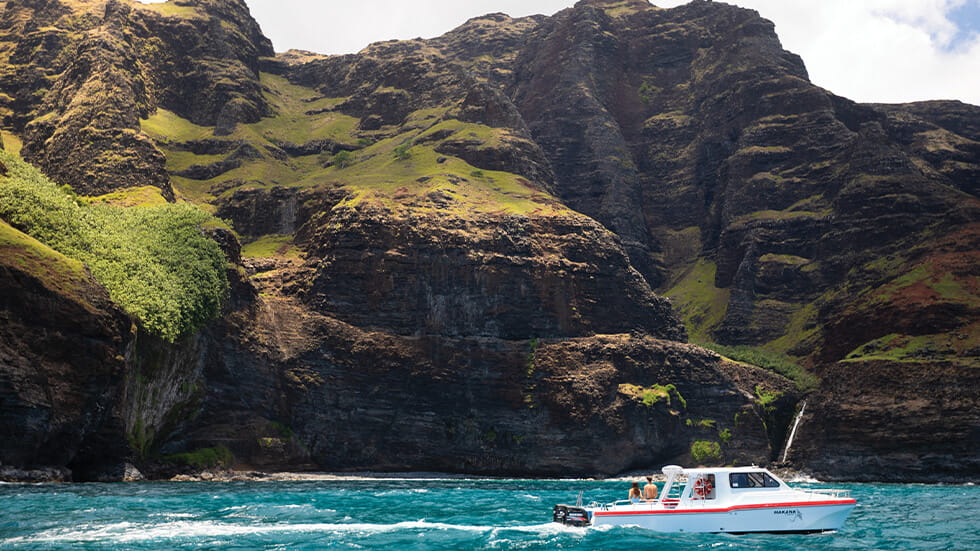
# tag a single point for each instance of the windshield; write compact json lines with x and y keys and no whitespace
{"x":752,"y":480}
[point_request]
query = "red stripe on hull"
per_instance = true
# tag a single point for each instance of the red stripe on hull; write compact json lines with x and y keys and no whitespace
{"x":727,"y":509}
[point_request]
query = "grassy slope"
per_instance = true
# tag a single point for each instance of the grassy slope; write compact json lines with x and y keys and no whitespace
{"x":414,"y":181}
{"x":130,"y":197}
{"x":57,"y":272}
{"x":937,"y":280}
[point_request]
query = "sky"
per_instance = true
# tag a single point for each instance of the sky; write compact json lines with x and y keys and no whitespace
{"x":865,"y":50}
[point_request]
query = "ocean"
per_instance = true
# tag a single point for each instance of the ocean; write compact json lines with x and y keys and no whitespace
{"x":431,"y":514}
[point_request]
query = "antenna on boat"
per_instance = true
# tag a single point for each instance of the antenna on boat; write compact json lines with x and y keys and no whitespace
{"x":578,"y":501}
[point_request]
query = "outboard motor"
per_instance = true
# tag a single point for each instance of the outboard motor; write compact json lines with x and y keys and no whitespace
{"x":571,"y":515}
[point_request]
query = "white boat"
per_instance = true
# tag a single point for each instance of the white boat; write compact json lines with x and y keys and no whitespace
{"x":723,"y":499}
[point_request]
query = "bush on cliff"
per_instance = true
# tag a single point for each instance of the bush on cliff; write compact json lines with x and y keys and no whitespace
{"x":206,"y":458}
{"x":772,"y":361}
{"x":155,"y":261}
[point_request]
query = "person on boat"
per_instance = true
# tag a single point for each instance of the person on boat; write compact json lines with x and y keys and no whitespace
{"x":635,"y":492}
{"x":650,"y":490}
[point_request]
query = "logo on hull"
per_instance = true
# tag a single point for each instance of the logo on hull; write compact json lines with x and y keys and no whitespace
{"x":792,"y":514}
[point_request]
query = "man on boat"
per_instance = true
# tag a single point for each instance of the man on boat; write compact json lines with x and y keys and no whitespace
{"x":650,"y":490}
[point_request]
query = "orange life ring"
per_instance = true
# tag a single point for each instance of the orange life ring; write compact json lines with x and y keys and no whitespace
{"x":702,"y":487}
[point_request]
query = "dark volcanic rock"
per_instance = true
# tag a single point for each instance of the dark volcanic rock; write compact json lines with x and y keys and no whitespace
{"x":560,"y":398}
{"x":856,"y":428}
{"x":662,"y":121}
{"x":61,"y":363}
{"x":512,"y":278}
{"x":359,"y":400}
{"x":257,"y":212}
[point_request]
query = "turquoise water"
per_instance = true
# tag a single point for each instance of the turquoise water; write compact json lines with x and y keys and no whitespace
{"x":429,"y":515}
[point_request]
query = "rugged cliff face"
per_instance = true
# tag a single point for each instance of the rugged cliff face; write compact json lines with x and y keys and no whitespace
{"x":455,"y":250}
{"x":56,"y":385}
{"x":773,"y":212}
{"x":79,"y":75}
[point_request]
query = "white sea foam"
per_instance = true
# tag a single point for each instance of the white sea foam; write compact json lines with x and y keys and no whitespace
{"x":401,"y":492}
{"x":545,"y":528}
{"x":127,"y":532}
{"x":801,"y":478}
{"x":174,"y":515}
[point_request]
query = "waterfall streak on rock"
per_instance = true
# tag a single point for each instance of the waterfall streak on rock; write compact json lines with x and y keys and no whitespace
{"x":792,"y":433}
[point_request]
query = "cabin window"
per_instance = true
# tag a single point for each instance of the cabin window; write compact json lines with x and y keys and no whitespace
{"x":752,"y":480}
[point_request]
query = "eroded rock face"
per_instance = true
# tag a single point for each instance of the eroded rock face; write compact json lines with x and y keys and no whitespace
{"x":868,"y":404}
{"x":309,"y":389}
{"x":61,"y":365}
{"x":511,"y":277}
{"x":511,"y":410}
{"x":83,"y":390}
{"x":81,"y":75}
{"x":661,"y":122}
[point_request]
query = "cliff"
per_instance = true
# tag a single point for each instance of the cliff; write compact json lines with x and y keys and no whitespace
{"x":456,"y":252}
{"x":79,"y":75}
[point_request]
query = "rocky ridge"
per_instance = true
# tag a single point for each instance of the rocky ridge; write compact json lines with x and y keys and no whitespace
{"x":78,"y":76}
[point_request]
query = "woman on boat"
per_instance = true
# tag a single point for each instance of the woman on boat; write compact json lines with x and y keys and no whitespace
{"x":635,"y":492}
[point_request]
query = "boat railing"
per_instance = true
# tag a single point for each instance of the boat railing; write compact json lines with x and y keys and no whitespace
{"x":839,"y":493}
{"x":623,"y":502}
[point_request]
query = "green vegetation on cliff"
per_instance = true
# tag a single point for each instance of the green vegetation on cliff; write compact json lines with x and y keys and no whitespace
{"x":205,"y":458}
{"x":705,"y":451}
{"x":701,"y":305}
{"x":649,"y":396}
{"x":399,"y":169}
{"x":773,"y":361}
{"x":154,"y":260}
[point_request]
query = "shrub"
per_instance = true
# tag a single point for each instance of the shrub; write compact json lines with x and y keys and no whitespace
{"x":701,"y":423}
{"x":766,"y":398}
{"x":205,"y":458}
{"x":401,"y":152}
{"x":646,"y":91}
{"x":650,"y":396}
{"x":702,"y":450}
{"x":343,"y":159}
{"x":155,"y":261}
{"x":725,"y":435}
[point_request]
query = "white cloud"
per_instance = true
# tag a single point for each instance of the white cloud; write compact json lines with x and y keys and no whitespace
{"x":879,"y":50}
{"x":866,"y":50}
{"x":335,"y":27}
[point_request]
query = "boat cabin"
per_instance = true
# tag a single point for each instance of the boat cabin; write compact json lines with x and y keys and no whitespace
{"x":707,"y":484}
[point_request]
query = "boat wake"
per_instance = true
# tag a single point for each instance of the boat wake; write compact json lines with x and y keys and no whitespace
{"x":127,"y":532}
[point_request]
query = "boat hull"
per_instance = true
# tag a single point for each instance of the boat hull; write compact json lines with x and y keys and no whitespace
{"x":776,"y":517}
